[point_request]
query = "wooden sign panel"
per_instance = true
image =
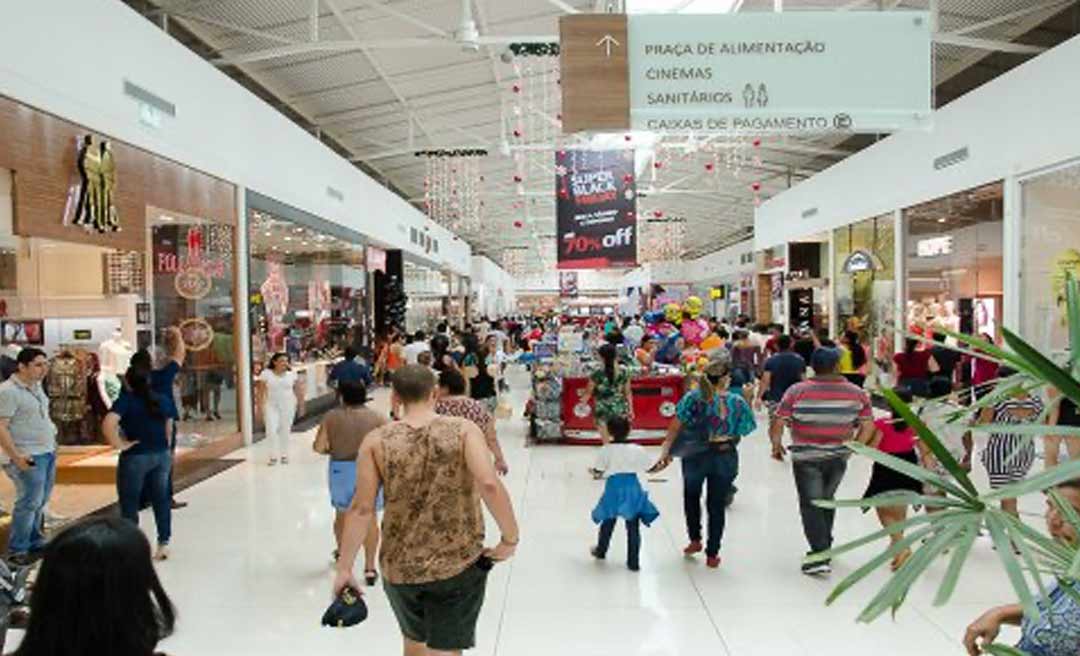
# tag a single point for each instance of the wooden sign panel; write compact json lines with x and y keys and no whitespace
{"x":595,"y":72}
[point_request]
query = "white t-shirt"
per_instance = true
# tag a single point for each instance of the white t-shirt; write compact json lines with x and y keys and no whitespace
{"x":413,"y":350}
{"x":279,"y":388}
{"x":624,"y":458}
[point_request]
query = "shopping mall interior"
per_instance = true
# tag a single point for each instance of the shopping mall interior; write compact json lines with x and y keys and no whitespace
{"x":822,"y":253}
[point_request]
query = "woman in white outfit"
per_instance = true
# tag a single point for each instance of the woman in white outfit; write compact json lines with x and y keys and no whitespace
{"x":279,"y":392}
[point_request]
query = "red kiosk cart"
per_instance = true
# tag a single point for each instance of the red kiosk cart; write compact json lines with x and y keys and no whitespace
{"x":655,"y":399}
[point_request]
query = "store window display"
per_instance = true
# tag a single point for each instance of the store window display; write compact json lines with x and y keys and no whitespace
{"x":308,"y":299}
{"x":954,"y":249}
{"x":865,"y":287}
{"x":1051,"y":251}
{"x":428,"y":291}
{"x":193,"y":284}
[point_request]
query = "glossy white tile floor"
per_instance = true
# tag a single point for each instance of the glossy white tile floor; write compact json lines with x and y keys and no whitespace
{"x":250,"y":571}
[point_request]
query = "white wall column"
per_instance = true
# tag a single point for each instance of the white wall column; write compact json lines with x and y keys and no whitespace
{"x":243,"y":322}
{"x":900,"y":274}
{"x":1012,"y":282}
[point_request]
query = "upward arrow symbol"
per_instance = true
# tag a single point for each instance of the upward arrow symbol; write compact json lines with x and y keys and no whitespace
{"x":607,"y":42}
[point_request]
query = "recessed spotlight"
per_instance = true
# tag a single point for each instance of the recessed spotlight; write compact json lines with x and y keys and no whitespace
{"x":288,"y":239}
{"x":942,"y":220}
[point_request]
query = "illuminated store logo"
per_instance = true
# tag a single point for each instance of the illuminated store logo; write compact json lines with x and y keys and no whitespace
{"x":860,"y":261}
{"x":935,"y":246}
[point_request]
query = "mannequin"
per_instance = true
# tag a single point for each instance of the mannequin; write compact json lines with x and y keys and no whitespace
{"x":115,"y":354}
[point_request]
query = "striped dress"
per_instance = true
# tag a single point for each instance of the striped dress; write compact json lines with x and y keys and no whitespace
{"x":1008,"y":457}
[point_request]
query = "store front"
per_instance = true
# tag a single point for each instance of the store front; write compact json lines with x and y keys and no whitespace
{"x":308,"y":295}
{"x":864,"y":285}
{"x":954,"y":259}
{"x":429,"y":293}
{"x":102,"y":247}
{"x":1050,"y":249}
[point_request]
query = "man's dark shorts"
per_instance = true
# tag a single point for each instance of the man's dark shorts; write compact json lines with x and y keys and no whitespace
{"x":440,"y":614}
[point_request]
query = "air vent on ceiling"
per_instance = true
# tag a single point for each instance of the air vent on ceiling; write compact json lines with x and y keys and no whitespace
{"x":812,"y":212}
{"x":955,"y":157}
{"x":144,"y":96}
{"x":336,"y":194}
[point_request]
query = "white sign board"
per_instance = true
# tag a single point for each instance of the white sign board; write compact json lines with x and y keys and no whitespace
{"x":788,"y":73}
{"x":935,"y":246}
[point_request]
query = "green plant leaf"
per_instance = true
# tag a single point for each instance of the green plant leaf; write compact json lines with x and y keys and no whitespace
{"x":896,"y":590}
{"x":1072,"y":303}
{"x":910,"y":522}
{"x":961,"y":549}
{"x":921,"y":474}
{"x":1027,"y":553}
{"x":894,"y":499}
{"x":1059,"y":553}
{"x":1009,"y":562}
{"x":876,"y":562}
{"x":986,"y":347}
{"x":1042,"y":365}
{"x":933,"y":443}
{"x":1041,"y":481}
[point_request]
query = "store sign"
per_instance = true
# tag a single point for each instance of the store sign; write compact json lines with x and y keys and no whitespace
{"x":802,"y":309}
{"x":748,"y":73}
{"x":860,"y":261}
{"x":91,"y":204}
{"x":568,"y":284}
{"x":935,"y":246}
{"x":596,"y":208}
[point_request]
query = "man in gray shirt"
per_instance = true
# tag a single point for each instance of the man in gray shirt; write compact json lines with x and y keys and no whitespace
{"x":28,"y":442}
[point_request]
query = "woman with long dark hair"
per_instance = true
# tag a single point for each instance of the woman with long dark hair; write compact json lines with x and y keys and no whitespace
{"x":97,"y":593}
{"x":479,"y":364}
{"x":854,"y":363}
{"x":913,"y":368}
{"x":145,"y":461}
{"x":610,"y":387}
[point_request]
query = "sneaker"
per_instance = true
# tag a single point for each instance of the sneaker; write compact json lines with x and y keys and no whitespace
{"x":595,"y":552}
{"x":284,"y":460}
{"x":814,"y":569}
{"x":633,"y":568}
{"x":162,"y":552}
{"x":694,"y":547}
{"x":178,"y":505}
{"x":712,"y":562}
{"x":273,"y":461}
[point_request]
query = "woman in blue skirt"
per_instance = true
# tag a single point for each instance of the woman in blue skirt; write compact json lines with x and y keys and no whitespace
{"x":623,"y":496}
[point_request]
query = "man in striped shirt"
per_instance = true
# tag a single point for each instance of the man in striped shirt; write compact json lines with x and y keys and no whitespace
{"x":823,"y":413}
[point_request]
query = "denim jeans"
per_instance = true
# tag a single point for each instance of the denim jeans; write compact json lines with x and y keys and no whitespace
{"x":716,"y":471}
{"x":633,"y":540}
{"x":814,"y":480}
{"x":138,"y":471}
{"x":33,"y":488}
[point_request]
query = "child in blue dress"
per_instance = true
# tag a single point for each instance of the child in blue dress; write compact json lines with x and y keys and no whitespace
{"x":623,"y":495}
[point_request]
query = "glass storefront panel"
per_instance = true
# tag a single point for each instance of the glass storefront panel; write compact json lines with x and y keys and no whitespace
{"x":1051,"y":249}
{"x":308,"y":298}
{"x":191,"y":264}
{"x":865,"y":285}
{"x":428,"y":290}
{"x":954,"y":253}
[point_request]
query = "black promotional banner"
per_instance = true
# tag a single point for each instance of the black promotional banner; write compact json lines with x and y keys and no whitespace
{"x":597,"y":201}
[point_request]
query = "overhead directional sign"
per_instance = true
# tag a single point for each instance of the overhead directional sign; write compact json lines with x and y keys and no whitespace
{"x":757,"y":73}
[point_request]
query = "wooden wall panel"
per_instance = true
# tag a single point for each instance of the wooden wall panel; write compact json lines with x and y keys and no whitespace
{"x":41,"y":150}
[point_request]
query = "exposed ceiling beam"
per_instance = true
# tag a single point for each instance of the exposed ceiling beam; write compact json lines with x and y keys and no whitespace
{"x":402,"y":16}
{"x":313,"y":21}
{"x":305,"y":48}
{"x":987,"y":44}
{"x":570,"y":9}
{"x":1011,"y":16}
{"x":351,"y":31}
{"x":234,"y":27}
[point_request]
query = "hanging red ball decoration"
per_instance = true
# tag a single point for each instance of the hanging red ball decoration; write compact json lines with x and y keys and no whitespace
{"x":757,"y":143}
{"x":564,"y":193}
{"x":517,"y":179}
{"x":709,"y":167}
{"x":756,"y":186}
{"x":628,"y":178}
{"x":519,"y":224}
{"x":658,"y":165}
{"x":517,"y":134}
{"x":658,"y":214}
{"x":516,"y":88}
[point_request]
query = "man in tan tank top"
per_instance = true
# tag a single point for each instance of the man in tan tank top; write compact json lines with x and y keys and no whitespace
{"x":434,"y":472}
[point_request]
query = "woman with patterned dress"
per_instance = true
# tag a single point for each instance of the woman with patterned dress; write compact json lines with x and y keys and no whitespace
{"x":1008,"y":457}
{"x":610,"y":389}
